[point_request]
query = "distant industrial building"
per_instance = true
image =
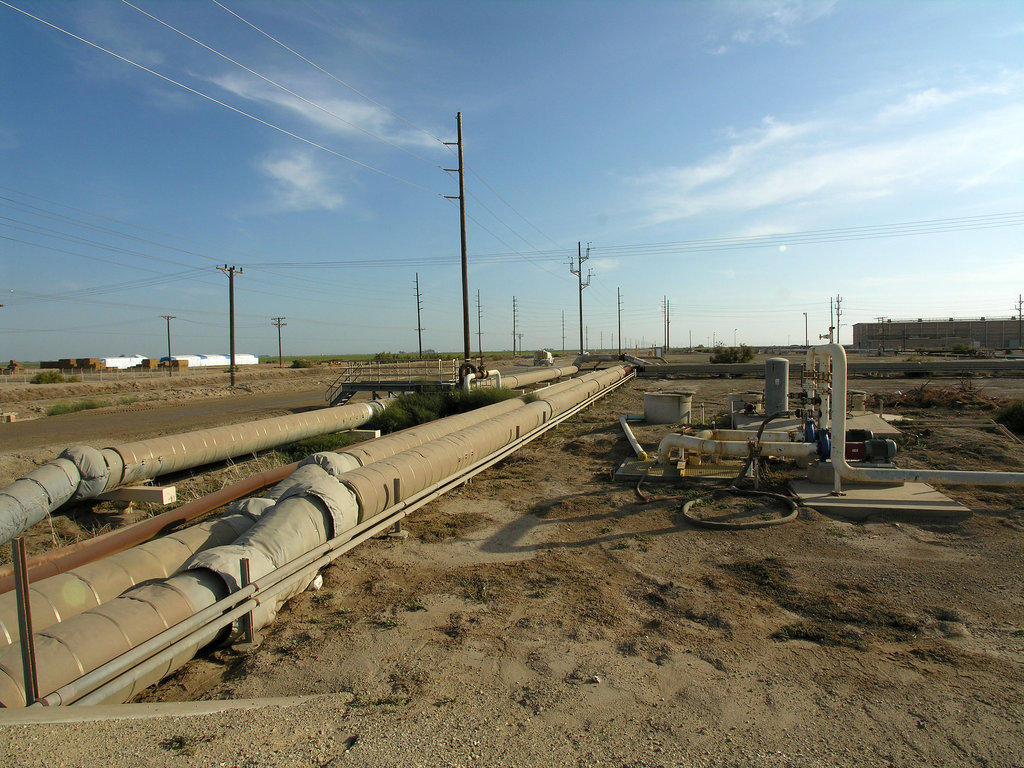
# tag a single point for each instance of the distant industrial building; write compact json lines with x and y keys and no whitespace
{"x":939,"y":334}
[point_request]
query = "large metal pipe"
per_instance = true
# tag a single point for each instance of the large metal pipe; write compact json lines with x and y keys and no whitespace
{"x":707,"y":443}
{"x":84,"y":472}
{"x":843,"y":470}
{"x":513,"y":380}
{"x":301,"y":521}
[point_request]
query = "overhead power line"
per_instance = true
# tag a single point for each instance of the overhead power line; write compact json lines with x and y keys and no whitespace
{"x":278,"y":85}
{"x":217,"y":101}
{"x":330,"y":75}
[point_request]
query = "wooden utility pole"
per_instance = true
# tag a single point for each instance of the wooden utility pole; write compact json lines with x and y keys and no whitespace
{"x":515,"y":314}
{"x":479,"y":334}
{"x":1020,"y":308}
{"x":280,"y":323}
{"x":168,"y":318}
{"x":419,"y":323}
{"x":462,"y":229}
{"x":231,"y":272}
{"x":618,"y":296}
{"x":578,"y":271}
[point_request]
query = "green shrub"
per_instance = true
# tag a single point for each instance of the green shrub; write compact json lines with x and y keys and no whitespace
{"x":740,"y":354}
{"x":421,"y":407}
{"x":81,"y":405}
{"x":1012,"y":417}
{"x":301,"y":449}
{"x":299,"y":363}
{"x":49,"y":377}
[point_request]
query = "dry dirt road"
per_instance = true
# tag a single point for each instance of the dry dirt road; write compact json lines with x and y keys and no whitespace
{"x":540,"y":616}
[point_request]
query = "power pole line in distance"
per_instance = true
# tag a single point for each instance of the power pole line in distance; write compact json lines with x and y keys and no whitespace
{"x":231,"y":272}
{"x":168,"y":318}
{"x":279,"y":323}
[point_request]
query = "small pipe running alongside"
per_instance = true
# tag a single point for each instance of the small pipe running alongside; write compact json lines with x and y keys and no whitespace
{"x":624,"y":420}
{"x":712,"y":443}
{"x":83,"y":472}
{"x":306,"y":516}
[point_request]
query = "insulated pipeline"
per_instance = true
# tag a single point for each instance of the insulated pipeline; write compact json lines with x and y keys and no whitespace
{"x":306,"y":517}
{"x":83,"y":472}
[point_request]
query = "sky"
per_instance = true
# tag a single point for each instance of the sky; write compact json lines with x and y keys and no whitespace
{"x":746,"y":163}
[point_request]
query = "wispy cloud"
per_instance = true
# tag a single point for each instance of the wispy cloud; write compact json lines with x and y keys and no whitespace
{"x":768,"y":21}
{"x":347,"y":117}
{"x":927,"y":100}
{"x":831,"y":163}
{"x":299,"y":184}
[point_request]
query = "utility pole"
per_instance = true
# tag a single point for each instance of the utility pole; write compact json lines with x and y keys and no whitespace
{"x":280,"y":323}
{"x":419,"y":323}
{"x":668,"y":323}
{"x":168,"y":318}
{"x":618,"y":296}
{"x":839,"y":302}
{"x":462,"y":228}
{"x":479,"y":335}
{"x":578,"y":271}
{"x":1020,"y":308}
{"x":601,"y":348}
{"x":807,"y":339}
{"x":563,"y":331}
{"x":515,"y":315}
{"x":231,"y":272}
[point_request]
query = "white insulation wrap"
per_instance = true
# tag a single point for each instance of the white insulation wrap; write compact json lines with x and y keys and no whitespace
{"x":83,"y":472}
{"x":25,"y":502}
{"x":305,"y":516}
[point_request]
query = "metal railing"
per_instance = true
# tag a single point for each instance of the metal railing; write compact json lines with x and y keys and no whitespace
{"x":407,"y":372}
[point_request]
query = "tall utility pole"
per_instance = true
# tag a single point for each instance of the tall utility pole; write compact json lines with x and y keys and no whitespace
{"x":462,"y":229}
{"x":618,"y":296}
{"x":515,"y":316}
{"x":1020,"y":308}
{"x":479,"y":335}
{"x":168,"y":318}
{"x":279,"y":323}
{"x":668,"y":322}
{"x":839,"y":301}
{"x":578,"y":271}
{"x":807,"y":339}
{"x":231,"y":272}
{"x":419,"y":323}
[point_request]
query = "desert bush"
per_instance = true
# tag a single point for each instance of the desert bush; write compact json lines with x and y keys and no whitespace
{"x":80,"y":405}
{"x":421,"y":407}
{"x":740,"y":354}
{"x":1012,"y":417}
{"x":300,"y":363}
{"x":49,"y":377}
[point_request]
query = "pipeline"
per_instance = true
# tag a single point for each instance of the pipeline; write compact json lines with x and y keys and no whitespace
{"x":55,"y":598}
{"x":843,"y":470}
{"x":714,"y":443}
{"x":83,"y":472}
{"x":291,"y":537}
{"x":536,"y":376}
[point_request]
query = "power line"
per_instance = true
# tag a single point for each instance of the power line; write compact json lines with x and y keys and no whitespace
{"x":324,"y":71}
{"x":278,"y":85}
{"x":236,"y":110}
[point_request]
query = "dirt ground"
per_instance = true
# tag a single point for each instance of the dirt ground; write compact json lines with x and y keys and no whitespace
{"x":541,"y":616}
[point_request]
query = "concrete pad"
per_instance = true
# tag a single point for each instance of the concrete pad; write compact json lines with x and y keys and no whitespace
{"x":877,"y":424}
{"x":909,"y":501}
{"x":633,"y":470}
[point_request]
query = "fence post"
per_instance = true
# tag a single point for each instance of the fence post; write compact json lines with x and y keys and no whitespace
{"x":28,"y":644}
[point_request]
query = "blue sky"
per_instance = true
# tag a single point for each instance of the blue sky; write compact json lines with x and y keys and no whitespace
{"x":745,"y":160}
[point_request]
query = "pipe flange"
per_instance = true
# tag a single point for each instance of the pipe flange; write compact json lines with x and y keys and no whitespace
{"x":467,"y":369}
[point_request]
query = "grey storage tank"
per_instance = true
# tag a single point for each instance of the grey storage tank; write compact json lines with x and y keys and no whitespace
{"x":776,"y":385}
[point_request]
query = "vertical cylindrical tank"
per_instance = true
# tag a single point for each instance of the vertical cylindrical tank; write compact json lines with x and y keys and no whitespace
{"x":776,"y":385}
{"x":667,"y":407}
